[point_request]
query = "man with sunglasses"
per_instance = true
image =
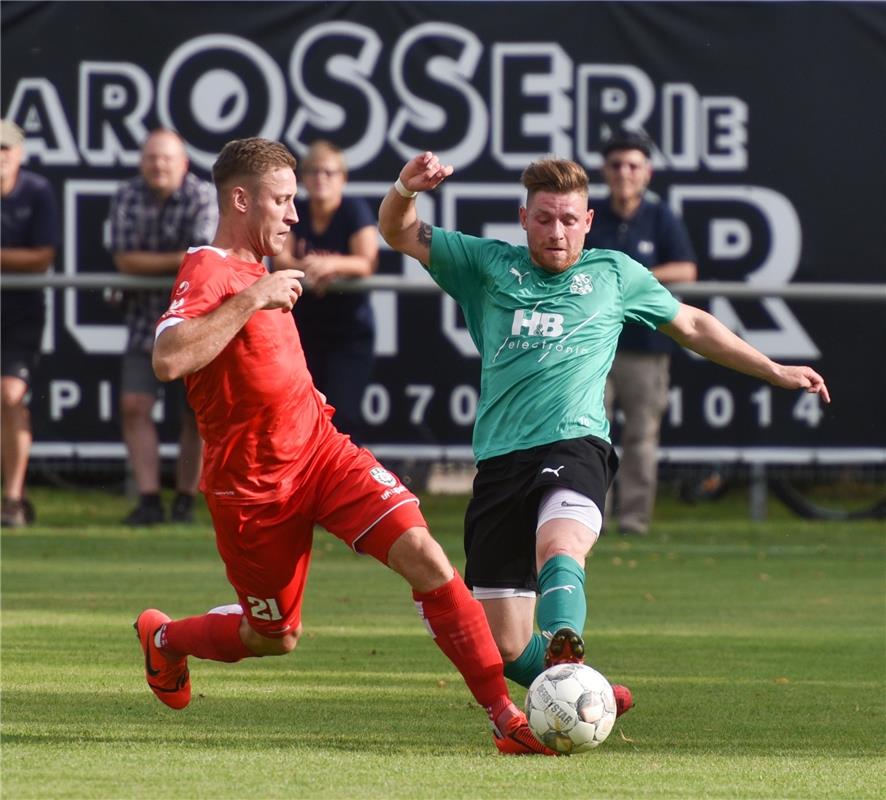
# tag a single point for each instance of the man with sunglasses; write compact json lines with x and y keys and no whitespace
{"x":634,"y":221}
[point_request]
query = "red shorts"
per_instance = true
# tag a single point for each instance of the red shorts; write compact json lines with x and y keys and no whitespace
{"x":267,"y":547}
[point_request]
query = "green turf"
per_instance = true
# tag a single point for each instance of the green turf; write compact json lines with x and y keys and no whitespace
{"x":756,"y":653}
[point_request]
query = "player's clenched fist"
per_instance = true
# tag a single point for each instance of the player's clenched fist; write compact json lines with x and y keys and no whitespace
{"x":279,"y":289}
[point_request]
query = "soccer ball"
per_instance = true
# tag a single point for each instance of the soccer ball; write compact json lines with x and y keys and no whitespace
{"x":570,"y":708}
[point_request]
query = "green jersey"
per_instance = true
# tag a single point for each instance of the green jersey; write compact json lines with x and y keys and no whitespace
{"x":546,"y":340}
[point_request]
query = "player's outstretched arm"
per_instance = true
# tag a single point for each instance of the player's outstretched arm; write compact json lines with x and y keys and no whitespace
{"x":707,"y":336}
{"x":398,"y":221}
{"x":189,"y":345}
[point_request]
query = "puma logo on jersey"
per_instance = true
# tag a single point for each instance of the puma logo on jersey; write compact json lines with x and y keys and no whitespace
{"x":519,"y":275}
{"x":553,"y":471}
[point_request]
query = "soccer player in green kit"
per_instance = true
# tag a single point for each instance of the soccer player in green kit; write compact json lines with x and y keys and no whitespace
{"x":546,"y":318}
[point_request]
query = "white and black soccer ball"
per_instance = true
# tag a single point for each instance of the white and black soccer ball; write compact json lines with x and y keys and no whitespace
{"x":570,"y":708}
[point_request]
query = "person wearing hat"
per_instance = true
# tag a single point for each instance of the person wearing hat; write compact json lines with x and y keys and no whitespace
{"x":28,"y":238}
{"x":634,"y":221}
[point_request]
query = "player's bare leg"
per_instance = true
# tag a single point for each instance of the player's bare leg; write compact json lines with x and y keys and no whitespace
{"x":187,"y":468}
{"x":222,"y":634}
{"x":15,"y":444}
{"x":142,"y":445}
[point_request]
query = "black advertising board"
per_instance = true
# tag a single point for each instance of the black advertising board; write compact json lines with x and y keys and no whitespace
{"x":770,"y":120}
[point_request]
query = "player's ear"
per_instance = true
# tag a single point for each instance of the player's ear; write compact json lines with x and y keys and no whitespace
{"x":523,"y":217}
{"x":240,"y":198}
{"x":589,"y":220}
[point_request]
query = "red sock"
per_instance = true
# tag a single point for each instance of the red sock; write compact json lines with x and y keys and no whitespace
{"x":459,"y":627}
{"x":215,"y":637}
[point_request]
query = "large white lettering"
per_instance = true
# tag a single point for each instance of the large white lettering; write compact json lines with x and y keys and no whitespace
{"x":424,"y":117}
{"x":114,"y":100}
{"x":92,"y":338}
{"x":730,"y":239}
{"x":219,"y":86}
{"x":36,"y":106}
{"x":324,"y":116}
{"x":547,"y":130}
{"x":217,"y":93}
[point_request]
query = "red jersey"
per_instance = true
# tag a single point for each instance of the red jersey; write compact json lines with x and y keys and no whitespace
{"x":259,"y":415}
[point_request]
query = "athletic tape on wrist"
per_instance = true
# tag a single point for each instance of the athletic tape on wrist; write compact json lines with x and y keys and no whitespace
{"x":403,"y":191}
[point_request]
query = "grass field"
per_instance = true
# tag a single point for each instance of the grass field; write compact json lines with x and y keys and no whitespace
{"x":756,"y":654}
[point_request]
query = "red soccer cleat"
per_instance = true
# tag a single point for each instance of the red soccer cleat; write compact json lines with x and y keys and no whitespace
{"x":624,"y":700}
{"x":167,"y":677}
{"x":565,"y":647}
{"x":512,"y":735}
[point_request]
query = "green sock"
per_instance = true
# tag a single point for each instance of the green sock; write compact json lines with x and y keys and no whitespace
{"x":530,"y":662}
{"x":561,"y":602}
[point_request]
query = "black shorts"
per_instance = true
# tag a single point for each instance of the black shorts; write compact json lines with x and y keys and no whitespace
{"x":502,"y":517}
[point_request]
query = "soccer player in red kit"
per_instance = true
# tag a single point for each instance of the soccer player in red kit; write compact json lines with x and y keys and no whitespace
{"x":274,"y":464}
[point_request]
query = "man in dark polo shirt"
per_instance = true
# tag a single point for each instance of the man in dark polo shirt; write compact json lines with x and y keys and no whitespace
{"x":27,"y":245}
{"x":635,"y":221}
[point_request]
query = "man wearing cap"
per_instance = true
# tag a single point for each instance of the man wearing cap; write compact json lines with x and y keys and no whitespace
{"x":154,"y":218}
{"x":636,"y":222}
{"x":27,"y":245}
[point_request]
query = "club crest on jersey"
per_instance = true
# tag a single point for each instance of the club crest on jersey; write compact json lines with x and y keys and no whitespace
{"x":384,"y":477}
{"x":182,"y":288}
{"x":581,"y":284}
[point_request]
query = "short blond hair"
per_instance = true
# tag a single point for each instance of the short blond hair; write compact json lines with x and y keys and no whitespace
{"x":555,"y":175}
{"x":249,"y":159}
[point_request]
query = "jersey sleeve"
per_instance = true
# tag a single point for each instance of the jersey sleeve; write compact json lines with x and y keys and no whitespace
{"x":646,"y":301}
{"x":457,"y":262}
{"x":200,"y":287}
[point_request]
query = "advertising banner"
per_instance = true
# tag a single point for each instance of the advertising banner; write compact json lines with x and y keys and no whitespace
{"x":769,"y":121}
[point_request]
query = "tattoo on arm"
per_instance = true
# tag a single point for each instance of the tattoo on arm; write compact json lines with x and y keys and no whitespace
{"x":424,"y":237}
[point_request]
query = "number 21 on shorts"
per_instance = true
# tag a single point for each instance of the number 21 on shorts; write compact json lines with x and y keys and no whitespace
{"x":265,"y":609}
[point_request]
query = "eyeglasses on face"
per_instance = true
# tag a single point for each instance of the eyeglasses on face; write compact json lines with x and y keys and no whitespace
{"x":324,"y":173}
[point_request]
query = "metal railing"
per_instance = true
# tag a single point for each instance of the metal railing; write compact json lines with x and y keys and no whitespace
{"x":855,"y":292}
{"x":821,"y":292}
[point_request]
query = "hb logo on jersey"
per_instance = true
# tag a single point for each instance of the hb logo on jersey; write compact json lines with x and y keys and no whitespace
{"x":537,"y":323}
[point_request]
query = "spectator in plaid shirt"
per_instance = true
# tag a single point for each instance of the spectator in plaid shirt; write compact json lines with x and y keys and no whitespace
{"x":154,"y":218}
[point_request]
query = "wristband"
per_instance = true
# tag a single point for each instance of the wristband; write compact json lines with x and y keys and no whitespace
{"x":403,"y":191}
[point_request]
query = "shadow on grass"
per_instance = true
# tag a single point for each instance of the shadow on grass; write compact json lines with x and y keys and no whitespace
{"x":414,"y":721}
